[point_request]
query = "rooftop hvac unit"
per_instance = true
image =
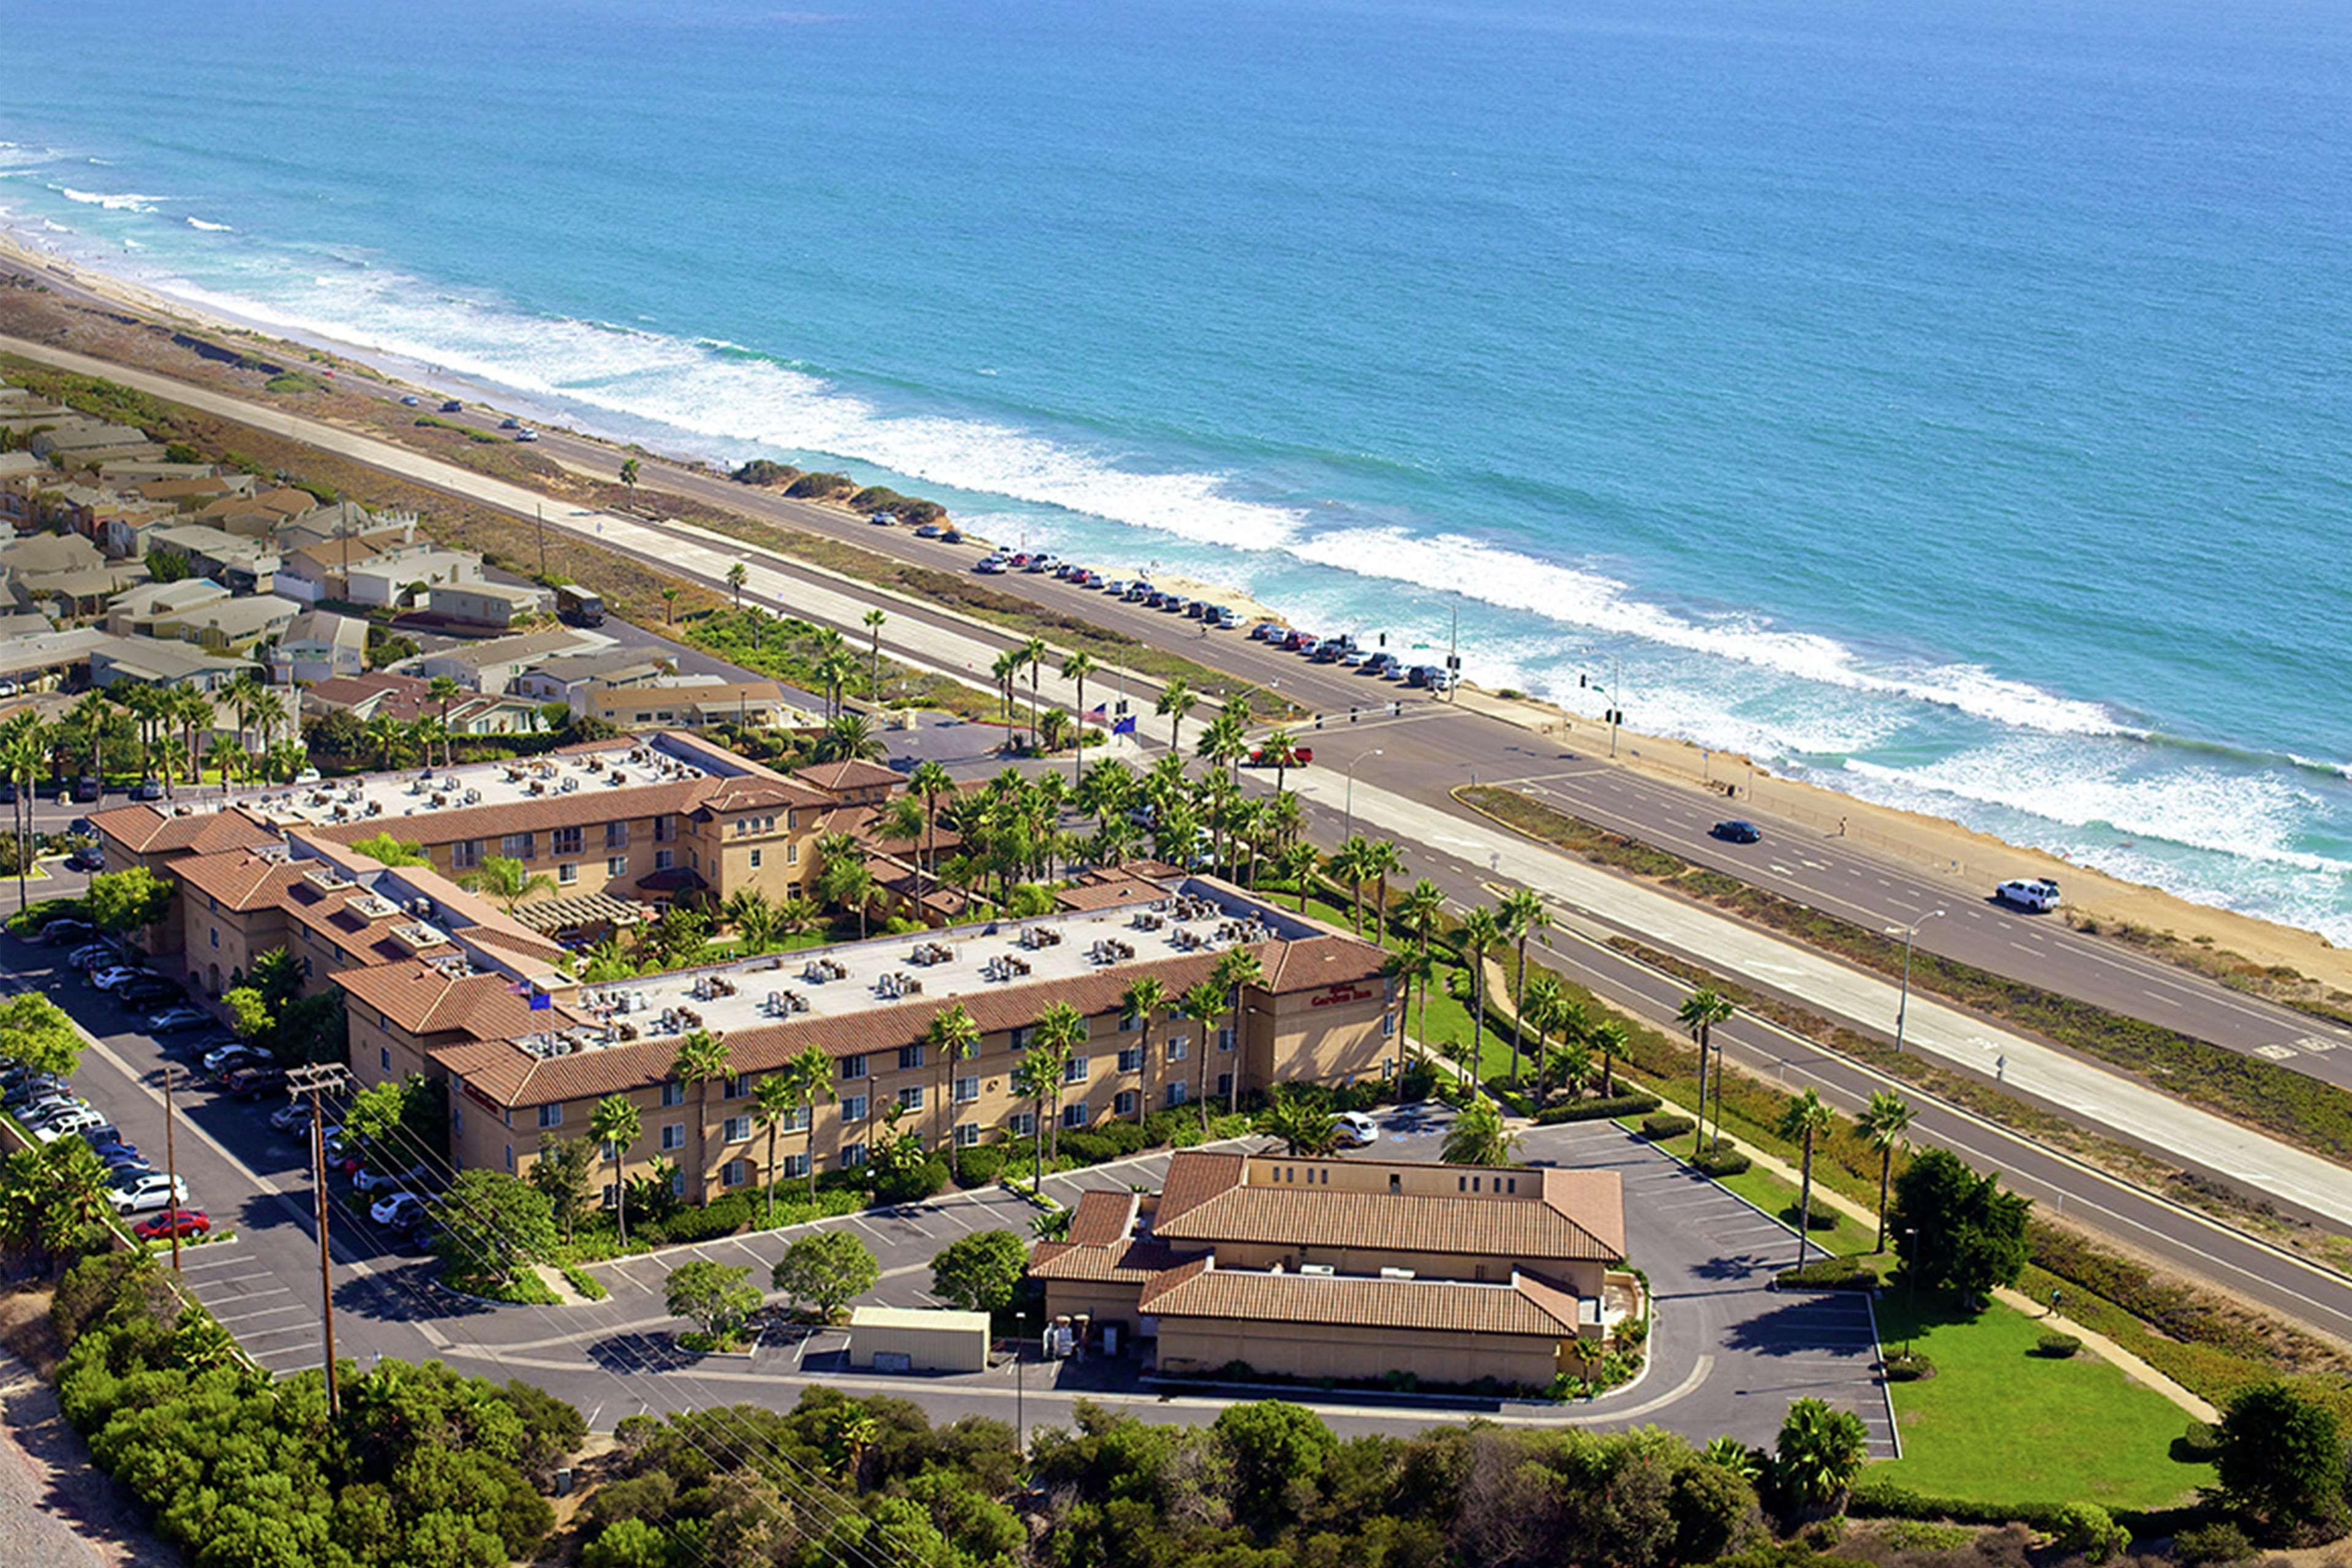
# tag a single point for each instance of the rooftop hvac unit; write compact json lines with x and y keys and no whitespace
{"x":1323,"y":1269}
{"x":1396,"y":1273}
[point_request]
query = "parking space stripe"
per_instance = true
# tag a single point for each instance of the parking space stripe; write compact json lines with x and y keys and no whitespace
{"x":264,"y":1313}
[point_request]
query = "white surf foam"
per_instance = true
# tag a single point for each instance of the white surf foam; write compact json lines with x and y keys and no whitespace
{"x":197,"y":223}
{"x":126,"y":201}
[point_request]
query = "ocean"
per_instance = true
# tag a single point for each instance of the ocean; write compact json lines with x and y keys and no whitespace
{"x":1944,"y":404}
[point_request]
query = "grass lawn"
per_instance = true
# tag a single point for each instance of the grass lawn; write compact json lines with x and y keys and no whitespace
{"x":1998,"y":1424}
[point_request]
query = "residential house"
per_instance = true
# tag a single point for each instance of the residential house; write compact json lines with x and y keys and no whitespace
{"x":319,"y":645}
{"x":231,"y":626}
{"x":246,"y":565}
{"x":153,"y":662}
{"x":492,"y":667}
{"x":387,"y":579}
{"x":696,"y":702}
{"x":487,"y":604}
{"x":136,"y":611}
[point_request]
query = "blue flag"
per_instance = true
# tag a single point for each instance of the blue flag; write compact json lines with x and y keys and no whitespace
{"x":540,"y":1001}
{"x":1124,"y":727}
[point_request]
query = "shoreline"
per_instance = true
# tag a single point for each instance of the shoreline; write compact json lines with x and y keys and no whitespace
{"x":1973,"y":859}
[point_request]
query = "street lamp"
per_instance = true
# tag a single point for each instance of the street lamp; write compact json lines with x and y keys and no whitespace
{"x":1349,"y":831}
{"x":1908,"y":933}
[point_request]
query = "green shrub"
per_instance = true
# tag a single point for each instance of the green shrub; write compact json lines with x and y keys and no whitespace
{"x":2208,"y":1545}
{"x":2090,"y":1530}
{"x":980,"y":1165}
{"x":2056,"y":1346}
{"x":912,"y":1183}
{"x":765,"y":471}
{"x":724,"y":1216}
{"x":1908,"y":1366}
{"x":1831,"y":1274}
{"x":818,"y":486}
{"x":1662,"y":1127}
{"x":2201,"y":1445}
{"x":584,"y":1282}
{"x":1608,"y":1110}
{"x":1721,"y":1159}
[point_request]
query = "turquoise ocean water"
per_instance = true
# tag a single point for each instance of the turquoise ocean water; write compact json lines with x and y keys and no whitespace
{"x":1948,"y":403}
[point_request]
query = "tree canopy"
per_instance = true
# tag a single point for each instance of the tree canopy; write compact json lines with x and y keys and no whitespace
{"x":981,"y":1272}
{"x":1957,"y":1230}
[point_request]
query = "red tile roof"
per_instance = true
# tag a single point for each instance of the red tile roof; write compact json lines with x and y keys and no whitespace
{"x":840,"y":778}
{"x":422,"y":1000}
{"x":1200,"y":1290}
{"x":144,"y":830}
{"x":238,"y":880}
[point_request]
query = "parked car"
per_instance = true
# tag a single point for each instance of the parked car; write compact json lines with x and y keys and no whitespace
{"x":51,"y":1103}
{"x":1224,"y":619}
{"x":145,"y":990}
{"x":25,"y":1091}
{"x":92,"y":955}
{"x":58,"y":933}
{"x":990,"y":566}
{"x":929,"y":531}
{"x":2039,"y":894}
{"x":1387,"y":666}
{"x":68,"y":1123}
{"x":453,"y":406}
{"x":86,"y":857}
{"x":229,"y":1058}
{"x":137,"y":1192}
{"x":1041,"y":562}
{"x":510,"y":424}
{"x":526,"y":434}
{"x":1355,"y":1130}
{"x":291,"y":1117}
{"x":369,"y":1181}
{"x":400,"y":1210}
{"x":1738,"y":830}
{"x":252,"y":1082}
{"x":182,"y":1223}
{"x":412,"y":401}
{"x":1356,"y":658}
{"x":114,"y":976}
{"x":950,"y":536}
{"x":117,"y":1162}
{"x":174,"y":1020}
{"x":147,"y":789}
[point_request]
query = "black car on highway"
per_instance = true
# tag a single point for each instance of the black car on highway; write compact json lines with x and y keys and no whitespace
{"x":1738,"y":830}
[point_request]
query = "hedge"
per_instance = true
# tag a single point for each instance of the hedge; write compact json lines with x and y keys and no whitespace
{"x":1831,"y":1274}
{"x":1876,"y":1497}
{"x":1659,"y":1128}
{"x":1721,"y":1162}
{"x":2057,"y":1346}
{"x":980,"y":1165}
{"x":1600,"y":1110}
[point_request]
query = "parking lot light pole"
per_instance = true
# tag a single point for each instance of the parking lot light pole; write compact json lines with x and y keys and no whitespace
{"x":1903,"y":1004}
{"x":312,"y":1081}
{"x":172,"y":1167}
{"x":1349,"y":830}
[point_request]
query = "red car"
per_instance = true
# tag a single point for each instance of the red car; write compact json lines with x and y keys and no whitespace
{"x":1300,"y":757}
{"x":163,"y":1226}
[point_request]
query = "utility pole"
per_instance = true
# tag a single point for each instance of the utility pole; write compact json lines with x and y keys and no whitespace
{"x":313,"y":1080}
{"x":1903,"y":1005}
{"x":171,"y":1164}
{"x":1454,"y":659}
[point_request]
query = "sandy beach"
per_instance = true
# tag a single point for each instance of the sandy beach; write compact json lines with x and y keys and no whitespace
{"x":1972,"y":861}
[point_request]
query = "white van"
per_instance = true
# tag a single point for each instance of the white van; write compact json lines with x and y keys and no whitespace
{"x":2039,"y":894}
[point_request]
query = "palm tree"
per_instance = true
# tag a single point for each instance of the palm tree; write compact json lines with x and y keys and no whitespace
{"x":1478,"y":1136}
{"x":22,"y":754}
{"x":749,"y":910}
{"x":239,"y":694}
{"x":1609,"y":1037}
{"x":1236,"y":968}
{"x":1883,"y":1122}
{"x":1420,"y":913}
{"x":1296,"y":865}
{"x":1204,"y":1003}
{"x":873,"y":621}
{"x":1142,"y":1000}
{"x":1821,"y":1450}
{"x":811,"y":1076}
{"x":1007,"y":671}
{"x":388,"y":736}
{"x":629,"y":471}
{"x":1480,"y":933}
{"x":191,"y":710}
{"x":670,"y":604}
{"x":843,"y":876}
{"x":1415,"y":969}
{"x":736,"y":576}
{"x":90,"y":715}
{"x":774,"y":1100}
{"x":930,"y":780}
{"x":444,"y":691}
{"x":1701,"y":1011}
{"x":1076,"y":668}
{"x":1033,"y":653}
{"x":1176,"y":699}
{"x":1539,"y":1007}
{"x":507,"y":881}
{"x":834,"y":669}
{"x":1223,"y":744}
{"x":848,"y":738}
{"x":424,"y":732}
{"x":954,"y":1037}
{"x":1036,"y":1077}
{"x":1347,"y":864}
{"x":1281,"y":749}
{"x":616,"y":1124}
{"x":1383,"y":859}
{"x":1061,"y":1031}
{"x":1522,"y":915}
{"x":1804,"y":1119}
{"x":1302,"y":1127}
{"x":701,"y":1058}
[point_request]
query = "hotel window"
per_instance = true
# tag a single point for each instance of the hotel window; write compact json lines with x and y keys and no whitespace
{"x":665,"y":829}
{"x":216,"y":936}
{"x":551,"y":1116}
{"x":663,"y":859}
{"x":510,"y":1156}
{"x":1225,"y":1085}
{"x":618,"y":866}
{"x":1122,"y":1104}
{"x":792,"y":854}
{"x":967,"y":1090}
{"x":1130,"y":1059}
{"x":566,"y":841}
{"x":1075,"y":1070}
{"x":911,"y":1098}
{"x":465,"y":853}
{"x":1020,"y":1038}
{"x":1176,"y":1094}
{"x":1225,"y":1039}
{"x":734,"y":1173}
{"x":617,"y":835}
{"x":910,"y":1058}
{"x":677,"y":1183}
{"x":609,"y":1189}
{"x":568,"y":873}
{"x":1388,"y":1025}
{"x":673,"y":1094}
{"x":853,"y":1108}
{"x":793,"y":1164}
{"x":673,"y":1135}
{"x":1130,"y":1022}
{"x":967,"y":1134}
{"x":520,"y":845}
{"x":738,"y":1085}
{"x":1022,"y":1124}
{"x":384,"y":1057}
{"x":736,"y":1131}
{"x":1178,"y":1046}
{"x":853,"y":1067}
{"x":1075,"y":1115}
{"x":853,"y":1156}
{"x":755,"y":859}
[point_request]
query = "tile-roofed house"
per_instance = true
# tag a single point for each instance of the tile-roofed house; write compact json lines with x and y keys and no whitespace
{"x":140,"y":830}
{"x":402,"y":697}
{"x":853,"y":782}
{"x":1521,"y":1308}
{"x":427,"y":1000}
